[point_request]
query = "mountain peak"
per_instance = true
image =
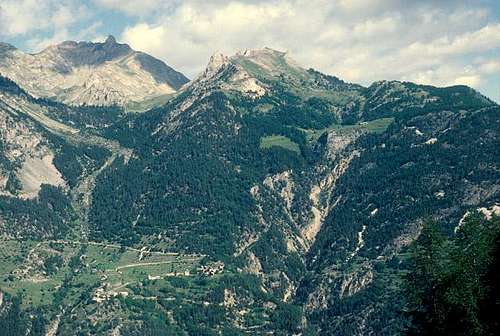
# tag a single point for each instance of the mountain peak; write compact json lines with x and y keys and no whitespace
{"x":91,"y":73}
{"x":4,"y":47}
{"x":93,"y":53}
{"x":90,"y":53}
{"x":110,"y":40}
{"x":267,"y":59}
{"x":218,"y":56}
{"x":267,"y":62}
{"x":216,"y":61}
{"x":262,"y":51}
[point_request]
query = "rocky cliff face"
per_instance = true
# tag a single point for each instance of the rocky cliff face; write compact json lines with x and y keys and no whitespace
{"x":27,"y":156}
{"x":84,"y":73}
{"x":42,"y":160}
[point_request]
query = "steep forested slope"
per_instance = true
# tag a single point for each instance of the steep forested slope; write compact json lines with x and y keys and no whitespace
{"x":38,"y":166}
{"x":291,"y":175}
{"x":454,"y":284}
{"x":435,"y":165}
{"x":262,"y":198}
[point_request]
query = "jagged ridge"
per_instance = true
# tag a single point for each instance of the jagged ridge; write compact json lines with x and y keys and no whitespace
{"x":88,"y":73}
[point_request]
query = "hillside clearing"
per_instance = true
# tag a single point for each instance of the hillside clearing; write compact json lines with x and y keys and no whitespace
{"x":279,"y":141}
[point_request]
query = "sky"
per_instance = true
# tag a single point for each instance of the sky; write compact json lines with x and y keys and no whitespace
{"x":437,"y":42}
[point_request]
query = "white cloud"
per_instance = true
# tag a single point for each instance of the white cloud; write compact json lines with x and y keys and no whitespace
{"x":377,"y":27}
{"x":188,"y":37}
{"x":446,"y":75}
{"x":62,"y":34}
{"x":425,"y":42}
{"x":136,"y":7}
{"x":490,"y":66}
{"x":63,"y":17}
{"x":471,"y":80}
{"x":20,"y":17}
{"x":145,"y":37}
{"x":433,"y":42}
{"x":486,"y":38}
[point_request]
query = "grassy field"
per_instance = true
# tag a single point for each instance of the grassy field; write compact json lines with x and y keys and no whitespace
{"x":374,"y":126}
{"x":98,"y":286}
{"x":23,"y":269}
{"x":377,"y":125}
{"x":23,"y":273}
{"x":137,"y":107}
{"x":279,"y":141}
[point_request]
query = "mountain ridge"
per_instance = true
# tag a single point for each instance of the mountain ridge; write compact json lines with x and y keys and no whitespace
{"x":261,"y":198}
{"x":90,"y":73}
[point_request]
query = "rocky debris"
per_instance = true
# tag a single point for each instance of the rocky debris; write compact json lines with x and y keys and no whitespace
{"x":339,"y":158}
{"x":37,"y":171}
{"x":229,"y":298}
{"x":475,"y":194}
{"x":336,"y":143}
{"x":319,"y":210}
{"x":116,"y":331}
{"x":489,"y":212}
{"x":53,"y":326}
{"x":289,"y":292}
{"x":319,"y":297}
{"x":355,"y":281}
{"x":418,"y":132}
{"x":28,"y":152}
{"x":253,"y":264}
{"x":440,"y":194}
{"x":408,"y":236}
{"x":283,"y":183}
{"x":360,"y":243}
{"x":243,"y":82}
{"x":247,"y":241}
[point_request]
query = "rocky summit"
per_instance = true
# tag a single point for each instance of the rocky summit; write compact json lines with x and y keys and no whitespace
{"x":93,"y":74}
{"x":260,"y":198}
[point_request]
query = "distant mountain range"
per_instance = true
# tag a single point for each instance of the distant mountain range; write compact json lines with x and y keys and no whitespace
{"x":259,"y":198}
{"x":86,"y":73}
